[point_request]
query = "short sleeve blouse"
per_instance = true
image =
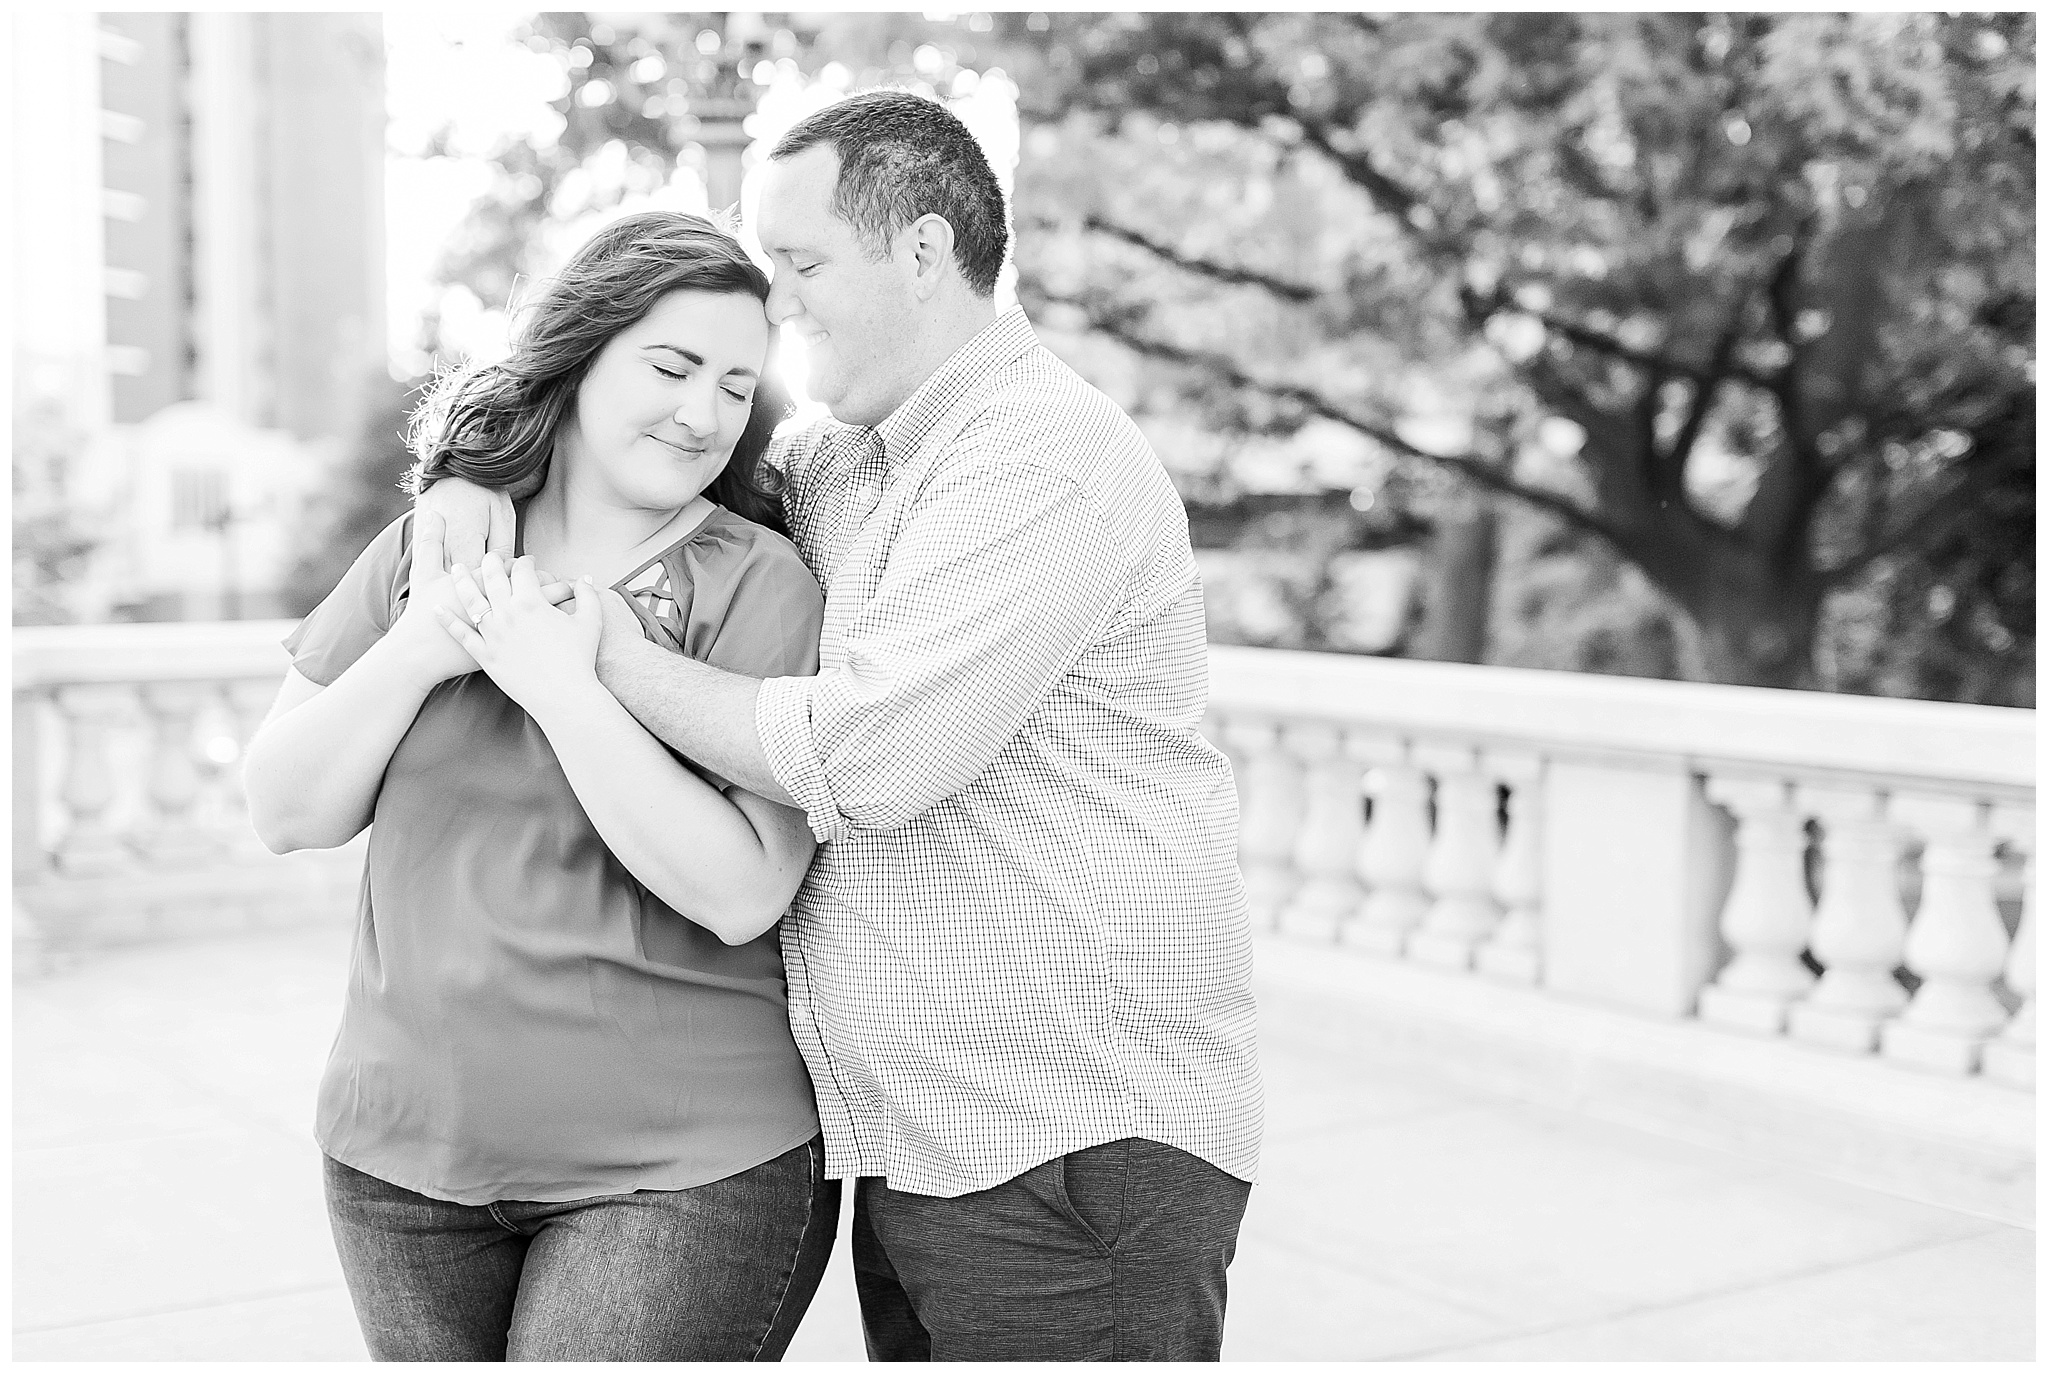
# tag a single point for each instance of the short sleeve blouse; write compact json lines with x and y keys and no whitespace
{"x":524,"y":1020}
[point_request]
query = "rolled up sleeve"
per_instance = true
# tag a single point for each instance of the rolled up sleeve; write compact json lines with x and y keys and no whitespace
{"x":782,"y":714}
{"x":999,"y":579}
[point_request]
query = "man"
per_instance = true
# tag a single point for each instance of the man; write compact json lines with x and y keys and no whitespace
{"x":1019,"y":967}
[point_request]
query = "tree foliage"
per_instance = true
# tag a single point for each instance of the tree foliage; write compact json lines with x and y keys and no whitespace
{"x":54,"y":537}
{"x":362,"y":495}
{"x":1745,"y":302}
{"x":639,"y":95}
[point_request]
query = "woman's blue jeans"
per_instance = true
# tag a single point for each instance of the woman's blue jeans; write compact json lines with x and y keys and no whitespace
{"x":723,"y":1271}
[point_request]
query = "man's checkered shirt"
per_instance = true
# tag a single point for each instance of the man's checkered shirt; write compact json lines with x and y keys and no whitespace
{"x":1024,"y":933}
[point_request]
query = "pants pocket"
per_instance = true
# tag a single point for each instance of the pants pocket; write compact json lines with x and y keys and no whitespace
{"x":1096,"y":1184}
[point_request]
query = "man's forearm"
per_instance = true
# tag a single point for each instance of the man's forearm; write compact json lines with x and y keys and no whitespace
{"x":703,"y":713}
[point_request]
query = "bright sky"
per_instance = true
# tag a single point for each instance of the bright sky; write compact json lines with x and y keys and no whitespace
{"x":445,"y":68}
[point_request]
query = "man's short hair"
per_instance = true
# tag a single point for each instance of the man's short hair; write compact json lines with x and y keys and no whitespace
{"x":902,"y":157}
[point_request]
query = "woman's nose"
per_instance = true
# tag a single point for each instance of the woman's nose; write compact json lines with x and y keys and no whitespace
{"x":696,"y":414}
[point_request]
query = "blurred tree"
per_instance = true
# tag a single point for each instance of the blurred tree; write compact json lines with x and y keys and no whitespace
{"x":52,"y":535}
{"x":646,"y":100}
{"x":651,"y":98}
{"x":636,"y":91}
{"x":1745,"y":302}
{"x":359,"y":497}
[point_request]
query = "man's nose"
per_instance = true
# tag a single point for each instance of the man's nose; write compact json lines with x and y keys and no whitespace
{"x":782,"y":302}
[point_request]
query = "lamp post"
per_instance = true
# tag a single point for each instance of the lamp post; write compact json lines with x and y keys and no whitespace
{"x":221,"y":522}
{"x":722,"y":93}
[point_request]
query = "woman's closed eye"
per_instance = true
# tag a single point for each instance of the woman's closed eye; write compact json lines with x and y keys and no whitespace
{"x":740,"y":393}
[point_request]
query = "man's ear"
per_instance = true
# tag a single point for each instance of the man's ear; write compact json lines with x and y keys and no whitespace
{"x":930,"y":241}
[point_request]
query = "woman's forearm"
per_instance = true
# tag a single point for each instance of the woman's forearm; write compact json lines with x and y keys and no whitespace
{"x":692,"y":846}
{"x":313,"y":771}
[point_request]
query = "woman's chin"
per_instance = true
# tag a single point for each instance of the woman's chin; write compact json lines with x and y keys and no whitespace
{"x":669,"y":502}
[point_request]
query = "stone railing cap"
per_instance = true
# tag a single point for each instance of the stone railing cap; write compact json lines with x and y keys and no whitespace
{"x":1762,"y":728}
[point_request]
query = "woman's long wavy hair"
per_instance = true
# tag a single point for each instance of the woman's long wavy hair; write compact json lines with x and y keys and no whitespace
{"x":495,"y":424}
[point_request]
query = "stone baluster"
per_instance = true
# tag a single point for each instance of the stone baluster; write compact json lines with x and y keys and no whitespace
{"x":1391,"y":860}
{"x":1768,"y":917}
{"x":1271,"y":820}
{"x":1514,"y":953}
{"x":1859,"y":928}
{"x":31,"y":857}
{"x":248,"y":702}
{"x":2010,"y":1058}
{"x":1462,"y":856}
{"x":1332,"y":830}
{"x":93,"y":714}
{"x":1957,"y":945}
{"x":174,"y":833}
{"x":220,"y":754}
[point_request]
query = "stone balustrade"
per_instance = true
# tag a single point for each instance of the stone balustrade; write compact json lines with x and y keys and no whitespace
{"x":1847,"y":872}
{"x":1850,"y":873}
{"x":129,"y":819}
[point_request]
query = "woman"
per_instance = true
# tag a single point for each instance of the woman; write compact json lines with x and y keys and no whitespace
{"x":564,"y":1118}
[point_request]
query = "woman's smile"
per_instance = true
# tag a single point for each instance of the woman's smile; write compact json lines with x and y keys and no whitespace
{"x":697,"y":452}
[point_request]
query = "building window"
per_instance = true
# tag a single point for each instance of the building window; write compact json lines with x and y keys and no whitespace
{"x":199,"y":499}
{"x":126,"y":360}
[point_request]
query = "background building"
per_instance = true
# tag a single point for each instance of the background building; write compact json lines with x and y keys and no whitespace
{"x":199,"y":291}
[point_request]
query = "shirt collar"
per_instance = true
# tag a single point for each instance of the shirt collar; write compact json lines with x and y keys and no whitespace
{"x":961,"y":378}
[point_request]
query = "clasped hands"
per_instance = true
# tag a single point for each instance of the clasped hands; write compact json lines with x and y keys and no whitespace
{"x":530,"y":649}
{"x":538,"y":655}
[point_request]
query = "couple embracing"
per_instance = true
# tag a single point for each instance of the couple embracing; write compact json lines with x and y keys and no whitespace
{"x":694,"y":889}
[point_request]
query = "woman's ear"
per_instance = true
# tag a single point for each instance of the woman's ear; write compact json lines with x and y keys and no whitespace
{"x":931,"y":248}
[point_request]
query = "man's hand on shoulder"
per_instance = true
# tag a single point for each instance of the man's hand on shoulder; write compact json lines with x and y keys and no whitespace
{"x":476,"y":519}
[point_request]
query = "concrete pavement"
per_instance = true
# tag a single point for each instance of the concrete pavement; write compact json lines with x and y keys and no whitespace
{"x":167,"y":1203}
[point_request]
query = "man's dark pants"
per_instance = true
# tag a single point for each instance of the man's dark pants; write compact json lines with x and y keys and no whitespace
{"x":1111,"y":1253}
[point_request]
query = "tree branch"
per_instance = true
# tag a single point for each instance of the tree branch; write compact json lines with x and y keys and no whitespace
{"x":1599,"y":341}
{"x":1704,"y":393}
{"x":1935,"y":517}
{"x":1781,"y":509}
{"x":1655,"y":475}
{"x":1371,"y":25}
{"x":1387,"y":193}
{"x":1202,"y":267}
{"x":1785,"y":319}
{"x":1475,"y":469}
{"x":2003,"y":449}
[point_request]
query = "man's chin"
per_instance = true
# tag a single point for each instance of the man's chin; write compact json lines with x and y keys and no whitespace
{"x":833,"y":398}
{"x":853,"y":410}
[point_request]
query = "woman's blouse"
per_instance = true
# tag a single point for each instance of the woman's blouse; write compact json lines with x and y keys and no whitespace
{"x":524,"y":1020}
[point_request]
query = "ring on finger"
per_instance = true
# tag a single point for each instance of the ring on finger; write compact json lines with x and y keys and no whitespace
{"x":479,"y":620}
